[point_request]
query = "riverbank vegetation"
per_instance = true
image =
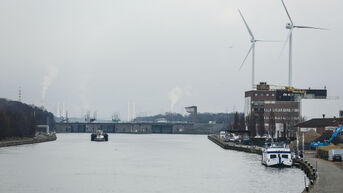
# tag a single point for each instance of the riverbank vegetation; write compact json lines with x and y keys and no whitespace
{"x":20,"y":120}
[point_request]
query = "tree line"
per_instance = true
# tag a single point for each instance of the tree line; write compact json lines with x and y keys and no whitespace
{"x":20,"y":120}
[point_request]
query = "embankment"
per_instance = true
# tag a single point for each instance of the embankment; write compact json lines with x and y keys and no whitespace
{"x":23,"y":141}
{"x":309,"y":170}
{"x":233,"y":146}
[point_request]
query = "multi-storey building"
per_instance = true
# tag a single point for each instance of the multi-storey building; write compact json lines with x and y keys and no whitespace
{"x":275,"y":111}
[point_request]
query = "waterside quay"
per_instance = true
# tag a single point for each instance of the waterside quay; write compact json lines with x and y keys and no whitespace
{"x":304,"y":165}
{"x":234,"y":146}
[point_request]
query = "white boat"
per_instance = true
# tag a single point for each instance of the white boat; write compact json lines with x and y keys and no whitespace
{"x":231,"y":137}
{"x":277,"y":156}
{"x":222,"y":135}
{"x":99,"y":136}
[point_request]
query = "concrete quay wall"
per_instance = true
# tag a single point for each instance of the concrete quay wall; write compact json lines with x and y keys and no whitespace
{"x":24,"y":141}
{"x":309,"y":170}
{"x":233,"y":146}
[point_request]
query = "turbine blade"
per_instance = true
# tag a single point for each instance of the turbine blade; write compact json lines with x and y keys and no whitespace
{"x":309,"y":27}
{"x":252,"y":45}
{"x":284,"y":44}
{"x":268,"y":41}
{"x":246,"y":25}
{"x":289,"y":17}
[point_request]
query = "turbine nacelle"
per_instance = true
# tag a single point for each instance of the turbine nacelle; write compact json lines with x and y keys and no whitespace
{"x":289,"y":26}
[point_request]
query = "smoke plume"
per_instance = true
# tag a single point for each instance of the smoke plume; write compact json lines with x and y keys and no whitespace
{"x":52,"y":73}
{"x":174,"y":96}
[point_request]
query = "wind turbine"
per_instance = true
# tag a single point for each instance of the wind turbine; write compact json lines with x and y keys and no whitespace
{"x":252,"y":49}
{"x":290,"y":26}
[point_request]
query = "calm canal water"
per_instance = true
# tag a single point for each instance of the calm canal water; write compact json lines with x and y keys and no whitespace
{"x":138,"y":163}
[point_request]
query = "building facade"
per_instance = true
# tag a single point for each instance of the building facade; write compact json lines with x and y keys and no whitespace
{"x":275,"y":111}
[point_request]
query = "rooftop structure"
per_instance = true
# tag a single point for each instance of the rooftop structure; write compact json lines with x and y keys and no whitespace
{"x":321,"y":122}
{"x":320,"y":125}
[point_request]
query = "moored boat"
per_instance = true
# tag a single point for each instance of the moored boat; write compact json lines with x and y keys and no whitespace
{"x":277,"y":156}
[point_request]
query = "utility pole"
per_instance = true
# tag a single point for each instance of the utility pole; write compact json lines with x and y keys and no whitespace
{"x":19,"y":94}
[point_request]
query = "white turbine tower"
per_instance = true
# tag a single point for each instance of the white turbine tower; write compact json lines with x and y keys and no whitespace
{"x":290,"y":26}
{"x":252,"y":49}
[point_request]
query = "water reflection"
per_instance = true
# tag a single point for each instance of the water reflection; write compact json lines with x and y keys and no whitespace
{"x":139,"y":163}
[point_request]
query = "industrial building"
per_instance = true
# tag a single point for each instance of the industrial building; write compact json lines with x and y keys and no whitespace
{"x":276,"y":110}
{"x":193,"y":110}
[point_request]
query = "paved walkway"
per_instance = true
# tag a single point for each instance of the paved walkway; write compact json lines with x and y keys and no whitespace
{"x":330,"y":177}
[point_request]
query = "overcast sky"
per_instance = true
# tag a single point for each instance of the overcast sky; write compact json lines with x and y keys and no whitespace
{"x":96,"y":55}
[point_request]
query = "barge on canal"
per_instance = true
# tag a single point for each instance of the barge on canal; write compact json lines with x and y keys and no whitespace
{"x":99,"y":135}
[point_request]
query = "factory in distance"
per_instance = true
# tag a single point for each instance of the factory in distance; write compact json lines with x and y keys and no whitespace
{"x":266,"y":106}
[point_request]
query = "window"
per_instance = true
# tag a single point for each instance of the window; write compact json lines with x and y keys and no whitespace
{"x":272,"y":156}
{"x":255,"y":94}
{"x":273,"y":94}
{"x":285,"y":156}
{"x":267,"y":94}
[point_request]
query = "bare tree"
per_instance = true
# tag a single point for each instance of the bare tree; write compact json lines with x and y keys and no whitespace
{"x":272,"y":126}
{"x":236,"y":121}
{"x":261,"y":128}
{"x":251,"y":120}
{"x":242,"y":122}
